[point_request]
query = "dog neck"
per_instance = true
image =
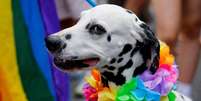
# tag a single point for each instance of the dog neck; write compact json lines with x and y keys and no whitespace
{"x":128,"y":65}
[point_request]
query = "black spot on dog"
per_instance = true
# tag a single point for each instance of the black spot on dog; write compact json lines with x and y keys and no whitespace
{"x":113,"y":61}
{"x":144,"y":26}
{"x":126,"y":49}
{"x":118,"y":79}
{"x":140,"y":69}
{"x":104,"y":81}
{"x":119,"y":60}
{"x":64,"y":46}
{"x":134,"y":51}
{"x":111,"y":68}
{"x":154,"y":65}
{"x":127,"y":65}
{"x":121,"y":69}
{"x":106,"y":66}
{"x":147,"y":30}
{"x":152,"y":47}
{"x":136,"y":19}
{"x":129,"y":11}
{"x":74,"y":57}
{"x":68,"y":36}
{"x":138,"y":46}
{"x":182,"y":97}
{"x":109,"y":38}
{"x":87,"y":26}
{"x":146,"y":53}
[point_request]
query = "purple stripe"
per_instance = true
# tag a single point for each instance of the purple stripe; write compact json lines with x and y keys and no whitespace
{"x":50,"y":17}
{"x":51,"y":22}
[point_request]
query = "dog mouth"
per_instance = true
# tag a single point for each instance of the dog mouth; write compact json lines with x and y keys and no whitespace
{"x":75,"y":64}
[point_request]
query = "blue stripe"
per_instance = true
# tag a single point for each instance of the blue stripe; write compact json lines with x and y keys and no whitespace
{"x":36,"y":30}
{"x":51,"y":21}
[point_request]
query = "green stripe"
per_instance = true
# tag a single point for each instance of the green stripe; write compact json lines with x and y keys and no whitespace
{"x":34,"y":84}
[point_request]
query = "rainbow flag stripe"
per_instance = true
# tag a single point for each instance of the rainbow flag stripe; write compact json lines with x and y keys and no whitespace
{"x":26,"y":72}
{"x":10,"y":79}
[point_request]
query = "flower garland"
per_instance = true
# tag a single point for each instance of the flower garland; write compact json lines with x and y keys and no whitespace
{"x":145,"y":87}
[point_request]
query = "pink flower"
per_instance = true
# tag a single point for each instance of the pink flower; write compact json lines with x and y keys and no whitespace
{"x":90,"y":93}
{"x":163,"y":80}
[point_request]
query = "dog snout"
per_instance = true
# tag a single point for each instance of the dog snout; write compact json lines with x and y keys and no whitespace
{"x":54,"y":43}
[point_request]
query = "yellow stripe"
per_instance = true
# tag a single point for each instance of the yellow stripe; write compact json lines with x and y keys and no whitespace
{"x":10,"y":83}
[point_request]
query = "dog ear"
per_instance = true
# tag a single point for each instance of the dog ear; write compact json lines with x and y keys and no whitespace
{"x":153,"y":46}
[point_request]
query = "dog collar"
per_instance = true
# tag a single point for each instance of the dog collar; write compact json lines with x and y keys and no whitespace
{"x":145,"y":87}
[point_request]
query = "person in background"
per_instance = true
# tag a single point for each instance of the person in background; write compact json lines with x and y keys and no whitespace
{"x":179,"y":26}
{"x":178,"y":23}
{"x":69,"y":11}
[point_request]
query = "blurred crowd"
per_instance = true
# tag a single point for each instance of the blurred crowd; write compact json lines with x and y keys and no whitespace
{"x":176,"y":22}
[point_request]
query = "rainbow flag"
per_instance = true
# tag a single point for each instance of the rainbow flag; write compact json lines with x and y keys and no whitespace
{"x":26,"y":72}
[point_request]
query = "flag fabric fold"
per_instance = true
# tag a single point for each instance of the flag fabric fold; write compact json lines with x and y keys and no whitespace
{"x":51,"y":21}
{"x":33,"y":81}
{"x":36,"y":32}
{"x":26,"y":70}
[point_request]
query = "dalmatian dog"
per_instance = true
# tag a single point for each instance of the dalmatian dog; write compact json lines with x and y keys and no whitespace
{"x":111,"y":38}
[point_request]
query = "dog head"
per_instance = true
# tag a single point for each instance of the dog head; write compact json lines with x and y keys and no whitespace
{"x":106,"y":36}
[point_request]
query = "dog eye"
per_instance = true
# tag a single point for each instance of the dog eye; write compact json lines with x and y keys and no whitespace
{"x":97,"y":29}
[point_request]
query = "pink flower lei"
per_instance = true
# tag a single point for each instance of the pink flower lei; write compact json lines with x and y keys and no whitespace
{"x":158,"y":85}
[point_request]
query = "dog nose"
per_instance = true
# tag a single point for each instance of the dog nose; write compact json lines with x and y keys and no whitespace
{"x":54,"y":43}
